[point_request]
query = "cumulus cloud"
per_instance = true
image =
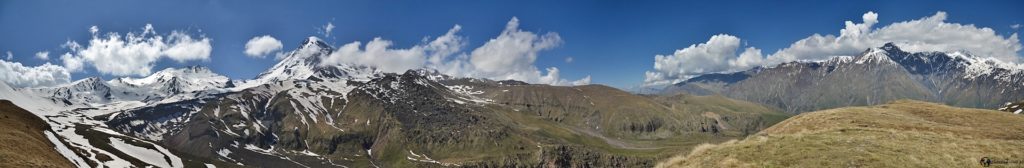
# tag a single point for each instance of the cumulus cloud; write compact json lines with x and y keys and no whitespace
{"x":10,"y":56}
{"x":260,"y":46}
{"x":511,"y":55}
{"x":17,"y":75}
{"x":378,"y":53}
{"x":512,"y":51}
{"x":43,"y":55}
{"x":930,"y":33}
{"x":134,"y":53}
{"x":181,"y":47}
{"x":926,"y":34}
{"x":72,"y":63}
{"x":584,"y":81}
{"x":721,"y":53}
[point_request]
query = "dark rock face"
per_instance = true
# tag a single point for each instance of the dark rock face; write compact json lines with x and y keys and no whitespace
{"x":876,"y":76}
{"x":512,"y":82}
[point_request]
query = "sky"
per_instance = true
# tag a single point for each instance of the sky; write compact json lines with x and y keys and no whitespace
{"x":623,"y":44}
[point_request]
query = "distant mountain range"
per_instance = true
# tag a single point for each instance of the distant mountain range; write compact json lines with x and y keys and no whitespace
{"x":302,"y":113}
{"x":877,"y":75}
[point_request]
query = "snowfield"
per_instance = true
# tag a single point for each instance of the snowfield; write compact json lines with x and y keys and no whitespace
{"x":147,"y":155}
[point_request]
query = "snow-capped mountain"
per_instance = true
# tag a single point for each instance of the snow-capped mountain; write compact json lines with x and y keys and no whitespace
{"x":877,"y":75}
{"x":306,"y":62}
{"x":73,"y":111}
{"x":155,"y":87}
{"x":302,"y":113}
{"x":299,"y":63}
{"x":88,"y":90}
{"x":174,"y":81}
{"x":37,"y":104}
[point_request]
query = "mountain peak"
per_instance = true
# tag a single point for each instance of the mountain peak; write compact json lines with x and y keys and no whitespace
{"x":190,"y":78}
{"x":313,"y":41}
{"x":197,"y":68}
{"x":874,"y":55}
{"x":299,"y":63}
{"x":89,"y":80}
{"x":890,"y":47}
{"x":194,"y":69}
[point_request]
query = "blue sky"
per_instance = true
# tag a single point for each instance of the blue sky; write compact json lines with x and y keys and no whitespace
{"x":613,"y":41}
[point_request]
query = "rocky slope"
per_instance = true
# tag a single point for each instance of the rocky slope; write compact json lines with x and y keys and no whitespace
{"x":902,"y":133}
{"x":876,"y":76}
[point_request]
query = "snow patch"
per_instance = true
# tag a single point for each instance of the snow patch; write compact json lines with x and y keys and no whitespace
{"x":65,"y":151}
{"x":146,"y":155}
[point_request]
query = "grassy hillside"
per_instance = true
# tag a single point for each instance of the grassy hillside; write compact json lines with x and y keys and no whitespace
{"x":22,"y":142}
{"x":902,"y":133}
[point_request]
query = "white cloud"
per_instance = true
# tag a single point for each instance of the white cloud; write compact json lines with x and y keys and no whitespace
{"x":444,"y":46}
{"x":718,"y":54}
{"x":72,"y":63}
{"x":328,"y":28}
{"x":181,"y":47}
{"x":378,"y":53}
{"x":511,"y":55}
{"x":513,"y":51}
{"x":584,"y":81}
{"x":568,"y":59}
{"x":260,"y":46}
{"x":926,"y":34}
{"x":1015,"y":26}
{"x":18,"y":75}
{"x":10,"y":56}
{"x":134,"y":53}
{"x":43,"y":55}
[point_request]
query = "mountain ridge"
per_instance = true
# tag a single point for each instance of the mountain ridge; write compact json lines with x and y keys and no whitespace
{"x":955,"y":78}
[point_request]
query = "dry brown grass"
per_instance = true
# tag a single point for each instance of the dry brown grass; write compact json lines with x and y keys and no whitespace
{"x":899,"y":134}
{"x":22,"y":142}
